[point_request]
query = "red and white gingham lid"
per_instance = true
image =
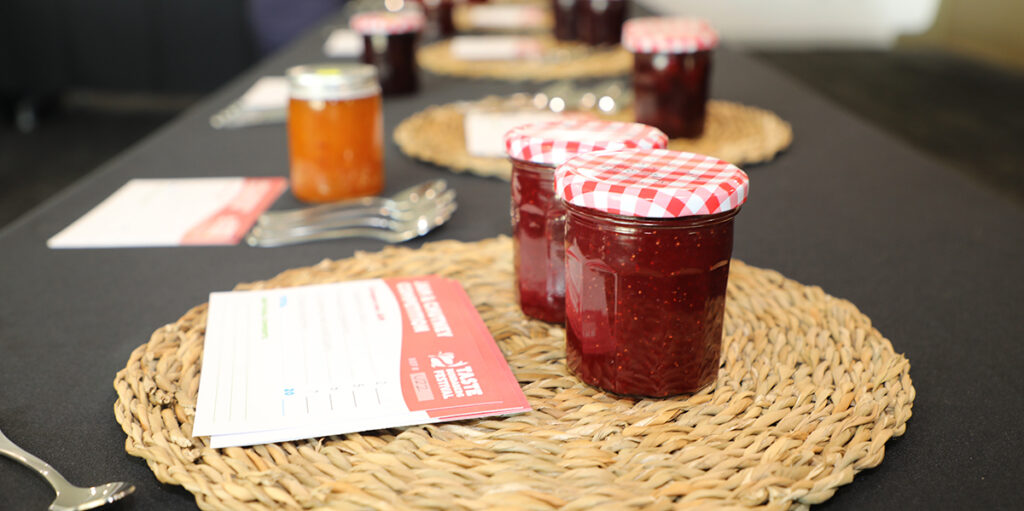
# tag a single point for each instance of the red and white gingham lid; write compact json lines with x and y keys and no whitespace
{"x":651,"y":184}
{"x":668,"y":35}
{"x":553,"y":142}
{"x":384,"y":22}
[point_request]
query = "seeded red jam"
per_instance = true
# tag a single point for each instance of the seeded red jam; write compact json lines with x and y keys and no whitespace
{"x":538,"y":224}
{"x":440,"y":22}
{"x":389,"y":43}
{"x":565,"y":19}
{"x":648,"y":240}
{"x":672,"y":91}
{"x":600,"y":21}
{"x":538,"y":232}
{"x":672,"y":64}
{"x":395,"y":58}
{"x":645,"y":300}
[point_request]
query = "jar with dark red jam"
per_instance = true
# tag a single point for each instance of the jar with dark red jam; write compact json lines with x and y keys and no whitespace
{"x":538,"y":218}
{"x":600,"y":21}
{"x":648,"y":241}
{"x":671,"y":70}
{"x":389,"y":40}
{"x":565,"y":19}
{"x":440,"y":20}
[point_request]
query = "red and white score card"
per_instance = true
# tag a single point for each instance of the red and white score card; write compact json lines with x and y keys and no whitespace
{"x":173,"y":212}
{"x":304,"y":362}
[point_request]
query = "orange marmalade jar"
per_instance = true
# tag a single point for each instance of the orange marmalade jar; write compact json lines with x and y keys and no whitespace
{"x":335,"y":132}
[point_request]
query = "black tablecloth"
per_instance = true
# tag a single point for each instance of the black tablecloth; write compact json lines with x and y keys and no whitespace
{"x":933,"y":258}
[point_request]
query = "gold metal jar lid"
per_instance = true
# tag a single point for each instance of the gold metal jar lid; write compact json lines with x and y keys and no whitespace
{"x":329,"y":81}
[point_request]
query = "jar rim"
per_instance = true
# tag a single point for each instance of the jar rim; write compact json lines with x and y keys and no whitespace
{"x":329,"y":81}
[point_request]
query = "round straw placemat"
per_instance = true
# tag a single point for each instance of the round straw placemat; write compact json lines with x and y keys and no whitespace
{"x":462,"y":17}
{"x":739,"y":134}
{"x":807,"y":396}
{"x":560,"y":60}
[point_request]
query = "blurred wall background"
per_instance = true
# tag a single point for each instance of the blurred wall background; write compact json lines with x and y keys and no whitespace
{"x":991,"y":30}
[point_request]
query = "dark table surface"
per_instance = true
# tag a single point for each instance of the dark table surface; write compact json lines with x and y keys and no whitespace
{"x":933,"y":258}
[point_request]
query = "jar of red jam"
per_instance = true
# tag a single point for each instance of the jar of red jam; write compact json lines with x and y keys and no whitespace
{"x":538,"y":218}
{"x":335,"y":132}
{"x":565,"y":19}
{"x":648,"y":240}
{"x":389,"y":40}
{"x":600,"y":21}
{"x":671,"y":68}
{"x":440,"y":21}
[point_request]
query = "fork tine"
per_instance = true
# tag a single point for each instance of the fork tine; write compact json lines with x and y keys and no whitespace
{"x":368,"y":220}
{"x":360,"y":206}
{"x":396,"y":232}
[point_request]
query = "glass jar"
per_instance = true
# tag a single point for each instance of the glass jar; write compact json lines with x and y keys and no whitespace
{"x":389,"y":43}
{"x":439,"y":16}
{"x":565,"y":19}
{"x":671,"y":70}
{"x":648,"y":241}
{"x":600,"y":21}
{"x":335,"y":132}
{"x":538,"y":217}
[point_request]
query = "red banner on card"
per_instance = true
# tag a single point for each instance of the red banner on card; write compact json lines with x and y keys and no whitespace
{"x":451,"y":366}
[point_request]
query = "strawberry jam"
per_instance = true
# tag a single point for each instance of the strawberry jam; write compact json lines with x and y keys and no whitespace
{"x":645,"y":300}
{"x":648,"y":240}
{"x":671,"y":69}
{"x":538,"y":217}
{"x":671,"y":91}
{"x":538,"y":233}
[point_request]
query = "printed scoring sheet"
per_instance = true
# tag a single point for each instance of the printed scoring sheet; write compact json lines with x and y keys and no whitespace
{"x":302,"y":362}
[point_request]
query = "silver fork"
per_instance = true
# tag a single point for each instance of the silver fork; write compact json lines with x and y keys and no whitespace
{"x":394,"y":205}
{"x":386,"y":218}
{"x":69,"y":497}
{"x":384,"y":229}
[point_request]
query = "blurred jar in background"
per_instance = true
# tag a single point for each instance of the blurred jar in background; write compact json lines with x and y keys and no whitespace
{"x":390,"y":44}
{"x":600,"y":21}
{"x":565,"y":19}
{"x":672,"y":66}
{"x":335,"y":132}
{"x":440,"y":22}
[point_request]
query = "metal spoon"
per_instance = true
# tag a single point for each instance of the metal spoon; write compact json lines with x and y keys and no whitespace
{"x":363,"y":206}
{"x":69,"y":497}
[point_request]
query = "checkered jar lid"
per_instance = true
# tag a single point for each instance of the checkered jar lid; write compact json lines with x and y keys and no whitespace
{"x":651,"y":184}
{"x":668,"y":35}
{"x":386,"y":23}
{"x":553,"y":142}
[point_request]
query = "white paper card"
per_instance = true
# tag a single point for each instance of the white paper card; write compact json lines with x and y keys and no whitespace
{"x":301,"y":362}
{"x":173,"y":212}
{"x":485,"y":130}
{"x":269,"y":92}
{"x":343,"y":43}
{"x":495,"y":47}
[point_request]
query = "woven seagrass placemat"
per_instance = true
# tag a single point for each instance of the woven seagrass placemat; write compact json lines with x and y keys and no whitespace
{"x":739,"y":134}
{"x":807,"y":396}
{"x":462,"y":17}
{"x":560,"y":60}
